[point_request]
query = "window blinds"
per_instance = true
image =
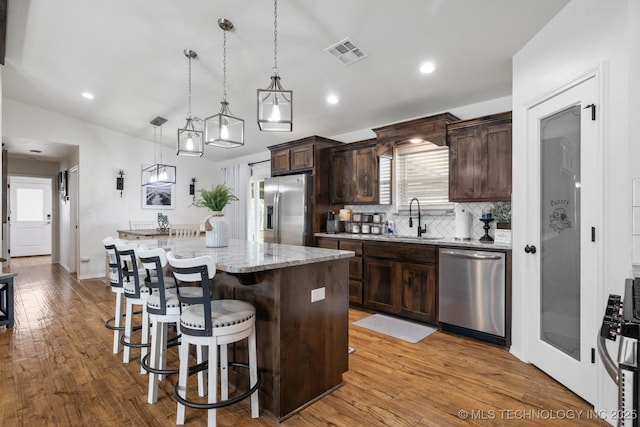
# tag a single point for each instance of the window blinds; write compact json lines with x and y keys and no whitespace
{"x":422,"y":172}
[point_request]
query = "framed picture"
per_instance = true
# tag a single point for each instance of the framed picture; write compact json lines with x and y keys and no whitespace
{"x":158,"y":196}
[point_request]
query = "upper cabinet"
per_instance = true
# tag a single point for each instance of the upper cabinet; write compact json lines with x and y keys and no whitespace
{"x":298,"y":156}
{"x":355,"y":174}
{"x":480,"y":159}
{"x":432,"y":129}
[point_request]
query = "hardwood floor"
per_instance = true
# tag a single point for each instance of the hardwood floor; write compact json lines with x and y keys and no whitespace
{"x":57,"y":369}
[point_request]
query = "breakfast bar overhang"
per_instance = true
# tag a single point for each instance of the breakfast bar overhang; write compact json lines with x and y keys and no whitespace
{"x":301,"y":298}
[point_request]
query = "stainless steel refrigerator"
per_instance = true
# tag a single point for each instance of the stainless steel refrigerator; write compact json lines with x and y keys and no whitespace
{"x":287,"y":209}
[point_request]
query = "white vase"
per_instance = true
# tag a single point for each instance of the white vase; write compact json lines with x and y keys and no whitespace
{"x":217,"y":234}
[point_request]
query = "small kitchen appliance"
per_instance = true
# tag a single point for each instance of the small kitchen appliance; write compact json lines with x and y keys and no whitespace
{"x":333,"y":223}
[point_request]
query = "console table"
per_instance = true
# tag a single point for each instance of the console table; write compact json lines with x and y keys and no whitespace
{"x":6,"y":299}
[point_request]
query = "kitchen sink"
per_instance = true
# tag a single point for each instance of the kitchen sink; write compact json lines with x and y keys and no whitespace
{"x":396,"y":236}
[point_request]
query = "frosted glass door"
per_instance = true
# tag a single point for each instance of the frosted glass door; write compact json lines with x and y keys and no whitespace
{"x":564,"y":166}
{"x":560,"y":231}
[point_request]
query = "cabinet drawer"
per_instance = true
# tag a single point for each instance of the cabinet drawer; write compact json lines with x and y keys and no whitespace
{"x":351,"y":246}
{"x":421,"y":253}
{"x":327,"y":243}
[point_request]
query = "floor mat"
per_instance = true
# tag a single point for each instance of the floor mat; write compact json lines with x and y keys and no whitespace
{"x":402,"y":329}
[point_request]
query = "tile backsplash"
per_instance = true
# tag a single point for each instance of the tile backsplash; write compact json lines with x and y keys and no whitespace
{"x":439,"y":223}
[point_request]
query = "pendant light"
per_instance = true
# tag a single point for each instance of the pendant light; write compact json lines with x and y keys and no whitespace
{"x":190,"y":139}
{"x":275,"y":105}
{"x":223,"y":129}
{"x":158,"y":173}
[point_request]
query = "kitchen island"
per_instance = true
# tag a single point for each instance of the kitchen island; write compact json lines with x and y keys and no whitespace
{"x":301,"y":299}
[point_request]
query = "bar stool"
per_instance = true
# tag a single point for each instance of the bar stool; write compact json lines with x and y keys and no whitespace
{"x":114,"y":323}
{"x":163,"y":308}
{"x":135,"y":293}
{"x":212,"y":323}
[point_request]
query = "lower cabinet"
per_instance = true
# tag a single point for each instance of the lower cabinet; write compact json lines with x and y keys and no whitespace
{"x":394,"y":278}
{"x":355,"y":264}
{"x":399,"y":287}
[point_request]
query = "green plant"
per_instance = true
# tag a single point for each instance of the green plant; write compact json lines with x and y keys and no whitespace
{"x":502,"y":212}
{"x":216,"y":198}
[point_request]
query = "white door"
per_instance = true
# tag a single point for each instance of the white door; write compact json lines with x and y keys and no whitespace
{"x":30,"y":216}
{"x":562,"y":266}
{"x":255,"y":208}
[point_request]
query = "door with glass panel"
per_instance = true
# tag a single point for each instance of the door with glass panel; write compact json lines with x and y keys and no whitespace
{"x":30,"y":216}
{"x":562,"y":263}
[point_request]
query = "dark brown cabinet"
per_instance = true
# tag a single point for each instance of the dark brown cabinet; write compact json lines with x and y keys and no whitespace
{"x":401,"y":279}
{"x":297,"y":158}
{"x":355,"y":177}
{"x":480,"y":159}
{"x":308,"y":155}
{"x":355,"y":264}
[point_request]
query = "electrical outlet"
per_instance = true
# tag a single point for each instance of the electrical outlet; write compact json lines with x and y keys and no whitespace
{"x":317,"y":294}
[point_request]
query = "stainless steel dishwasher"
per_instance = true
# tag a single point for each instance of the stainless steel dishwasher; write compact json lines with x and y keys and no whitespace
{"x":471,"y":291}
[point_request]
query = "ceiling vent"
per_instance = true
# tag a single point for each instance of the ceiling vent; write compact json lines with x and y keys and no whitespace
{"x":346,"y":51}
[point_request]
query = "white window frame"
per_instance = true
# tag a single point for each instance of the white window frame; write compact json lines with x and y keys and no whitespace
{"x":440,"y":176}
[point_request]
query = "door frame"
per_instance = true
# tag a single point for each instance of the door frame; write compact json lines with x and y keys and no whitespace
{"x":598,"y":73}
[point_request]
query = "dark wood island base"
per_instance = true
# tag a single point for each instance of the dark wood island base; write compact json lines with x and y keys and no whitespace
{"x":302,"y":345}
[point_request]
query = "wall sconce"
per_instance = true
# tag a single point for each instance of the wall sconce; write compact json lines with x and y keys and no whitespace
{"x":120,"y":181}
{"x":192,"y":189}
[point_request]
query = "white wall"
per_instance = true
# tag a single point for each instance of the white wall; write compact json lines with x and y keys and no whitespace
{"x":102,"y":152}
{"x":584,"y":34}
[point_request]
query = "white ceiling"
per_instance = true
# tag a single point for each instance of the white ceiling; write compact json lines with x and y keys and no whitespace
{"x":129,"y":53}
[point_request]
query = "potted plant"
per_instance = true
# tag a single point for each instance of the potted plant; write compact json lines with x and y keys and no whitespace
{"x":215,"y":225}
{"x":502,"y":215}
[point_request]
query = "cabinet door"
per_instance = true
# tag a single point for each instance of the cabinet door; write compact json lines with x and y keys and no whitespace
{"x":301,"y":158}
{"x":497,"y":177}
{"x":366,"y":175}
{"x":417,"y":283}
{"x":279,"y":161}
{"x":342,"y":174}
{"x":380,"y":292}
{"x":465,"y":164}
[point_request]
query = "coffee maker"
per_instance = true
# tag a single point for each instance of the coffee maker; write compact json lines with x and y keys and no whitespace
{"x":333,"y":223}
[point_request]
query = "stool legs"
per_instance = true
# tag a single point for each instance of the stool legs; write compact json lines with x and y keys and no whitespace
{"x":253,"y":373}
{"x":182,"y":381}
{"x":145,"y":337}
{"x":117,"y":322}
{"x":128,"y":332}
{"x":154,"y":361}
{"x":213,"y":383}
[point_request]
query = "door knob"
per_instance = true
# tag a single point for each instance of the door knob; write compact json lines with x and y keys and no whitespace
{"x":530,"y":249}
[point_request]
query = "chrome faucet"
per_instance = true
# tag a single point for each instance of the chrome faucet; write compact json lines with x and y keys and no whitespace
{"x":420,"y":229}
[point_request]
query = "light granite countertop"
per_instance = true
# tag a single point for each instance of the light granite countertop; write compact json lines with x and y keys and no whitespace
{"x":242,"y":256}
{"x":428,"y":240}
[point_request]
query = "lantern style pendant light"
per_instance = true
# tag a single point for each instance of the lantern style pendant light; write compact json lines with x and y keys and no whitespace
{"x":158,"y":173}
{"x":190,"y":139}
{"x":275,"y":105}
{"x":223,"y":129}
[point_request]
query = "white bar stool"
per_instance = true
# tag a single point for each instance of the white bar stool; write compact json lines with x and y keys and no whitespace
{"x":114,"y":323}
{"x":212,"y":323}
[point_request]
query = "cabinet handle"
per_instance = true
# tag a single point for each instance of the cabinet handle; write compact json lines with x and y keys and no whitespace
{"x":530,"y":249}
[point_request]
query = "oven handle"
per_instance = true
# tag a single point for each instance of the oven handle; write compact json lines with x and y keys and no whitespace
{"x":607,"y":361}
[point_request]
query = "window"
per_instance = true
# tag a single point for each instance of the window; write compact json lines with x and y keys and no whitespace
{"x":422,"y":171}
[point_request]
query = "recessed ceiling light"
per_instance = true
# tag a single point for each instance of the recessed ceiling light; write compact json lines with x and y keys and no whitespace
{"x":87,"y":95}
{"x":427,"y":67}
{"x":333,"y":99}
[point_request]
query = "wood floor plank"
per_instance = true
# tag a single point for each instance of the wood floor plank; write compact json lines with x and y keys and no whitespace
{"x":57,"y":369}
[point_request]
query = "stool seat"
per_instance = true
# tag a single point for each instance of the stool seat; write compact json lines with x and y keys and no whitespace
{"x":171,"y":300}
{"x":226,"y":312}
